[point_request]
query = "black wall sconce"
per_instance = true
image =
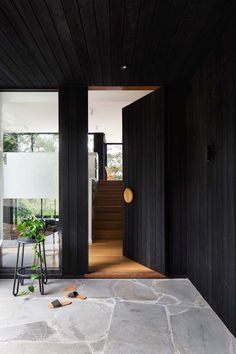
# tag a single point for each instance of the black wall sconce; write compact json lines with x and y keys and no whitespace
{"x":210,"y":153}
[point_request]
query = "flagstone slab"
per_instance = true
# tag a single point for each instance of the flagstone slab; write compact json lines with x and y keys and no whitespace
{"x":97,"y":288}
{"x":182,"y":290}
{"x":130,"y":290}
{"x":199,"y":330}
{"x":44,"y":348}
{"x":143,"y":327}
{"x":36,"y":331}
{"x":84,"y":320}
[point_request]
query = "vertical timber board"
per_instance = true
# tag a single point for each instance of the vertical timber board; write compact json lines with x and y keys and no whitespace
{"x":176,"y":236}
{"x":144,"y":173}
{"x":73,"y":179}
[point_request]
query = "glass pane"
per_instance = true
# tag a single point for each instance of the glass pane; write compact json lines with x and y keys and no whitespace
{"x":49,"y":208}
{"x":30,"y":180}
{"x":27,"y":207}
{"x":90,"y":143}
{"x":114,"y":162}
{"x":46,"y":143}
{"x":10,"y":142}
{"x":24,"y":143}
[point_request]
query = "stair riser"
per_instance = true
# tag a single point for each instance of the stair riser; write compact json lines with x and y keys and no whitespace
{"x":111,"y":182}
{"x":107,"y":209}
{"x":108,"y":193}
{"x":108,"y":197}
{"x":108,"y":217}
{"x":107,"y":225}
{"x":107,"y":235}
{"x":107,"y":204}
{"x":108,"y":187}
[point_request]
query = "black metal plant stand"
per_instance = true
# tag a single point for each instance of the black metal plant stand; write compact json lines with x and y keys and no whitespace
{"x":23,"y":272}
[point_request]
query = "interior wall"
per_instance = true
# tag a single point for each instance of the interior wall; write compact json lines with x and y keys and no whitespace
{"x":209,"y":186}
{"x":105,"y":111}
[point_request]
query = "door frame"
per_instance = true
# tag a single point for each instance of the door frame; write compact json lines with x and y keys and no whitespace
{"x":108,"y":88}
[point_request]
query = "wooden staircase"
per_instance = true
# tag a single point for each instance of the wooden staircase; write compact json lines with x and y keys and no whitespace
{"x":108,"y":211}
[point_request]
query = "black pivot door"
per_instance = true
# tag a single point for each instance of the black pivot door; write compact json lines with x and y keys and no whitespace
{"x":143,"y":155}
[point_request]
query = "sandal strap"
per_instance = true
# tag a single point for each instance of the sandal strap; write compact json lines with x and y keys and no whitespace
{"x":56,"y":303}
{"x":73,"y":294}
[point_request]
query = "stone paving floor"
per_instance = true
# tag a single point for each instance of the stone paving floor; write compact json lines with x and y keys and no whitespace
{"x":119,"y":317}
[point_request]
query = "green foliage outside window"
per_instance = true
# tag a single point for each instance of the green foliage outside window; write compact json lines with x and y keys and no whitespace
{"x":115,"y":161}
{"x":30,"y":142}
{"x":46,"y":142}
{"x":10,"y":142}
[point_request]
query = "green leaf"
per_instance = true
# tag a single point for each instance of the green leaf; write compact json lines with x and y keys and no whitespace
{"x":34,"y":276}
{"x":34,"y":267}
{"x":23,"y":292}
{"x":31,"y":288}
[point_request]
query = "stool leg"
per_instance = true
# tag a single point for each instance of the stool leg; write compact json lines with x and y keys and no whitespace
{"x":22,"y":263}
{"x":45,"y":278}
{"x":41,"y":277}
{"x":16,"y":277}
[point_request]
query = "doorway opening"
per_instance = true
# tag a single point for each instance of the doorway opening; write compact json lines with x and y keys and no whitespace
{"x":106,"y":186}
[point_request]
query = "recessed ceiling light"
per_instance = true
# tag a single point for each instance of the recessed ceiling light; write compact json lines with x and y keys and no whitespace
{"x":123,"y":67}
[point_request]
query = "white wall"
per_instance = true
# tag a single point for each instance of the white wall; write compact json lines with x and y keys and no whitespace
{"x":105,"y":111}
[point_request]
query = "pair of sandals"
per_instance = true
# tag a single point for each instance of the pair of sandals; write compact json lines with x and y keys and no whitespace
{"x":74,"y":294}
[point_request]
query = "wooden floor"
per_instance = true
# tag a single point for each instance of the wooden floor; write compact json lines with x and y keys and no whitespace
{"x":106,"y":260}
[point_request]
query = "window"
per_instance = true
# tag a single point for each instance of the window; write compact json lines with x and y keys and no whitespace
{"x":46,"y":143}
{"x":90,"y":142}
{"x":114,"y":162}
{"x":24,"y":143}
{"x":29,"y":170}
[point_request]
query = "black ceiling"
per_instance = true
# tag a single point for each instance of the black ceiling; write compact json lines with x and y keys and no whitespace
{"x":50,"y":43}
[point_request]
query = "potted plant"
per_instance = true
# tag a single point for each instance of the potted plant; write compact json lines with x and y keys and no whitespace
{"x":32,"y":228}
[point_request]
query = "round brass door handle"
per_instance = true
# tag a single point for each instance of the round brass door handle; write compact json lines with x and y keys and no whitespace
{"x":128,"y":195}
